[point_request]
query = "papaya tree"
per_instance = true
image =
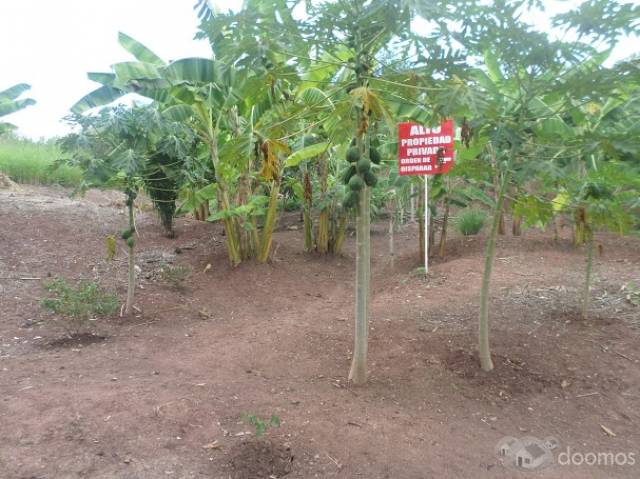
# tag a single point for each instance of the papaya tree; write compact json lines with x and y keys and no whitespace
{"x":346,"y":38}
{"x":119,"y":148}
{"x":361,"y":53}
{"x":526,"y":78}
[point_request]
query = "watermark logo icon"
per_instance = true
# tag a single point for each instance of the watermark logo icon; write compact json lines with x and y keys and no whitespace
{"x":530,"y":453}
{"x":526,"y":453}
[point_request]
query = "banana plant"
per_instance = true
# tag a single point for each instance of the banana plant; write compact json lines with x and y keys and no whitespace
{"x":194,"y":90}
{"x":207,"y":95}
{"x":10,"y":103}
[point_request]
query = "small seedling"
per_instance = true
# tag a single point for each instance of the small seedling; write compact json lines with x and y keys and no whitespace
{"x":110,"y":243}
{"x":420,"y":271}
{"x":78,"y":306}
{"x":261,"y":425}
{"x":632,"y":293}
{"x":175,"y":276}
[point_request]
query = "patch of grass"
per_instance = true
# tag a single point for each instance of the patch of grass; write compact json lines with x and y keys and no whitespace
{"x":470,"y":221}
{"x":419,"y":271}
{"x":261,"y":425}
{"x":31,"y":162}
{"x":175,"y":276}
{"x":78,"y":306}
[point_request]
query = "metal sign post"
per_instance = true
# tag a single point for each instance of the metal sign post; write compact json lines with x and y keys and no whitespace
{"x":426,"y":225}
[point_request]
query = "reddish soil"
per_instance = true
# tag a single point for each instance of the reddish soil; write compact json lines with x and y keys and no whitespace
{"x":164,"y":392}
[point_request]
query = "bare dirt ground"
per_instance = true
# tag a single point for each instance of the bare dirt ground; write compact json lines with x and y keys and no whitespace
{"x":162,"y":395}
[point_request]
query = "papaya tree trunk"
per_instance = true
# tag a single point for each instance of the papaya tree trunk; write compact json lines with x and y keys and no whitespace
{"x":269,"y":223}
{"x":420,"y":217}
{"x":501,"y":227}
{"x":392,"y":216}
{"x":432,"y":232}
{"x":497,"y":181}
{"x":445,"y":224}
{"x":131,"y":270}
{"x":358,"y":372}
{"x":412,"y":205}
{"x":483,"y":337}
{"x":516,"y":226}
{"x":580,"y":231}
{"x":586,"y":294}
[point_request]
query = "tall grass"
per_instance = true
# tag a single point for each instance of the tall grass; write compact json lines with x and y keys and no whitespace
{"x":470,"y":221}
{"x":31,"y":162}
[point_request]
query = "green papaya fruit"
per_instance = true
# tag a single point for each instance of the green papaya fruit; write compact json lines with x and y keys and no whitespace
{"x":356,"y":183}
{"x":353,"y":154}
{"x":374,"y":154}
{"x":348,"y":173}
{"x":363,"y":165}
{"x":370,"y":179}
{"x":350,"y":200}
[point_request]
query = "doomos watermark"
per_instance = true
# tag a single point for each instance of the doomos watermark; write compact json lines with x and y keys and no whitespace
{"x":531,"y":453}
{"x":576,"y":458}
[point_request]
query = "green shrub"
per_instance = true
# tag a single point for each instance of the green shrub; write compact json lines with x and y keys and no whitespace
{"x":291,"y":204}
{"x":30,"y":162}
{"x":78,"y":306}
{"x":261,"y":425}
{"x":175,"y":276}
{"x":470,"y":221}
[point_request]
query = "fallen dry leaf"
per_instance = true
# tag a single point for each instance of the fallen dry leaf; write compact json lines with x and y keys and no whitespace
{"x":212,"y":445}
{"x":608,"y":431}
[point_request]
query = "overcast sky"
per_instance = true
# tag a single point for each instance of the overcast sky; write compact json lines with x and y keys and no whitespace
{"x":52,"y":44}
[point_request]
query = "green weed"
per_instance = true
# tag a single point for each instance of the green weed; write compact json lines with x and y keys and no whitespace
{"x":470,"y":221}
{"x":77,"y":306}
{"x":261,"y":425}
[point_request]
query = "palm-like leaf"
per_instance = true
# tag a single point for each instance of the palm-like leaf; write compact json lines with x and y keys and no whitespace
{"x":139,"y":51}
{"x":14,"y":92}
{"x":99,"y":97}
{"x":9,"y":102}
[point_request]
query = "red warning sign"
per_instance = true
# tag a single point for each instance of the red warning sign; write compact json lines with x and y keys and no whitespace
{"x":425,"y":151}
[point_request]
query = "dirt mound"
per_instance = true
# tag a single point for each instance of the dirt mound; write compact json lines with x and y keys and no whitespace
{"x":7,"y":184}
{"x":510,"y":376}
{"x":77,"y":340}
{"x":260,"y":459}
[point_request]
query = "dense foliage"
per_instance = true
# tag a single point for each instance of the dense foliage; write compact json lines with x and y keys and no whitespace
{"x":299,"y":103}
